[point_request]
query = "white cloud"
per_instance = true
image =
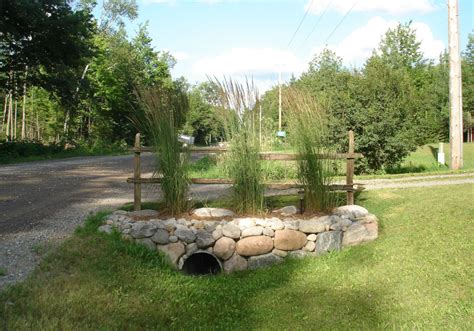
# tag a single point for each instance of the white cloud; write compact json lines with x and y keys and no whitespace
{"x":250,"y":62}
{"x":358,"y":45}
{"x":395,"y":7}
{"x":180,"y":56}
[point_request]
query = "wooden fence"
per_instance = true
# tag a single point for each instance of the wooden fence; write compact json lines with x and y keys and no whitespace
{"x":348,"y":187}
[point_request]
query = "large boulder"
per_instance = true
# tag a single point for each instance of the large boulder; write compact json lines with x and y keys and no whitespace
{"x":204,"y":239}
{"x":328,"y":242}
{"x":213,"y":212}
{"x":352,"y":211}
{"x":231,"y":230}
{"x":252,"y":231}
{"x":224,"y":248}
{"x":142,"y":229}
{"x":235,"y":263}
{"x":263,"y":260}
{"x":287,"y":211}
{"x":161,"y":237}
{"x":355,"y":234}
{"x":289,"y":240}
{"x":184,"y":233}
{"x":314,"y":225}
{"x":244,"y":223}
{"x":256,"y":245}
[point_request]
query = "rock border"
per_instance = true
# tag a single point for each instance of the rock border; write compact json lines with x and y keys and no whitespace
{"x":245,"y":243}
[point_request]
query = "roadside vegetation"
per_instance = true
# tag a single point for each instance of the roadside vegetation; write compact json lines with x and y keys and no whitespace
{"x":417,"y":274}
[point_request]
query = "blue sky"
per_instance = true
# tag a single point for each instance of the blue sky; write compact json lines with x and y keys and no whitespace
{"x":241,"y":38}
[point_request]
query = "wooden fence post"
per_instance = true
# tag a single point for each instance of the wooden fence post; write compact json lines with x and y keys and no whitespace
{"x":137,"y":190}
{"x":350,"y":168}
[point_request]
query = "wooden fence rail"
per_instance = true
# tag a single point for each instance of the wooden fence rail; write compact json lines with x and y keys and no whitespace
{"x":348,"y":187}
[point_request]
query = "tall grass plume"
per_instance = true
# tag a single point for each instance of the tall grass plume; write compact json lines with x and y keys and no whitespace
{"x":239,"y":110}
{"x":308,"y":123}
{"x":164,"y":110}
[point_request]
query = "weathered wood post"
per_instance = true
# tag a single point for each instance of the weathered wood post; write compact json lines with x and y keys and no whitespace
{"x":137,"y":190}
{"x":350,"y":168}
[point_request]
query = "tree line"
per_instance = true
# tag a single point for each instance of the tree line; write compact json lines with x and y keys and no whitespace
{"x":67,"y":76}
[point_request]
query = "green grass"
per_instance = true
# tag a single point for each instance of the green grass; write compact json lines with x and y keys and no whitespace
{"x":417,"y":275}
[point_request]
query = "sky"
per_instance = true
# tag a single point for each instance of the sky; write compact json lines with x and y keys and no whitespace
{"x":257,"y":39}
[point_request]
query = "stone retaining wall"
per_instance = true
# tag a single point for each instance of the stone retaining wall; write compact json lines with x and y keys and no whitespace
{"x":245,"y":243}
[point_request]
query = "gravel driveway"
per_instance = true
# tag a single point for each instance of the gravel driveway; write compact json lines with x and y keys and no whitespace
{"x":42,"y":202}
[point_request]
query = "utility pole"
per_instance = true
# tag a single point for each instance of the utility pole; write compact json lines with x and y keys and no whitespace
{"x":279,"y":99}
{"x":455,"y":87}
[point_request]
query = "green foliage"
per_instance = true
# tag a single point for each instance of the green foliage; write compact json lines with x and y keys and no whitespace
{"x":202,"y":120}
{"x":308,"y":124}
{"x":239,"y":104}
{"x":164,"y":113}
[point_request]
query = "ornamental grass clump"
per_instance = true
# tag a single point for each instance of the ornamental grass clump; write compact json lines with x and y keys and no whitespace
{"x":164,"y":111}
{"x":239,"y":104}
{"x":309,"y":134}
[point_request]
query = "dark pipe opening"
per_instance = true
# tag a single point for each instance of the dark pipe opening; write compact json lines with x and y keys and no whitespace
{"x":202,"y":263}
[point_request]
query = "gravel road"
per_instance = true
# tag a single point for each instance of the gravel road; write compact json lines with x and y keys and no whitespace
{"x":42,"y":202}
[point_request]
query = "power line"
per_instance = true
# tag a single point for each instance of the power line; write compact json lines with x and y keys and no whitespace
{"x":301,"y":23}
{"x":340,"y":22}
{"x":317,"y":22}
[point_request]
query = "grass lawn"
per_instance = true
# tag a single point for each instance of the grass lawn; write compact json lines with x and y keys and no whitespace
{"x":417,"y":275}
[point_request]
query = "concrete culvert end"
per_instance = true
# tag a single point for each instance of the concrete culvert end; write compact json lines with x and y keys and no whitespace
{"x":202,"y":263}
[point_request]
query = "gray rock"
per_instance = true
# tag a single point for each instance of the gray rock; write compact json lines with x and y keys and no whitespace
{"x":355,"y":234}
{"x":161,"y":237}
{"x":204,"y":239}
{"x":231,"y":230}
{"x":235,"y":263}
{"x":224,"y":248}
{"x":142,"y":229}
{"x":268,"y":232}
{"x":291,"y":224}
{"x":143,"y":213}
{"x":287,"y":211}
{"x":353,"y":211}
{"x":341,"y":224}
{"x":147,"y":242}
{"x":280,"y":253}
{"x":310,"y":246}
{"x":367,"y":219}
{"x":313,"y":225}
{"x":173,"y":239}
{"x":252,"y":231}
{"x":263,"y":260}
{"x":311,"y":237}
{"x":217,"y":233}
{"x":124,"y":225}
{"x":191,"y":248}
{"x":105,"y":229}
{"x":328,"y":242}
{"x":173,"y":251}
{"x":185,"y":234}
